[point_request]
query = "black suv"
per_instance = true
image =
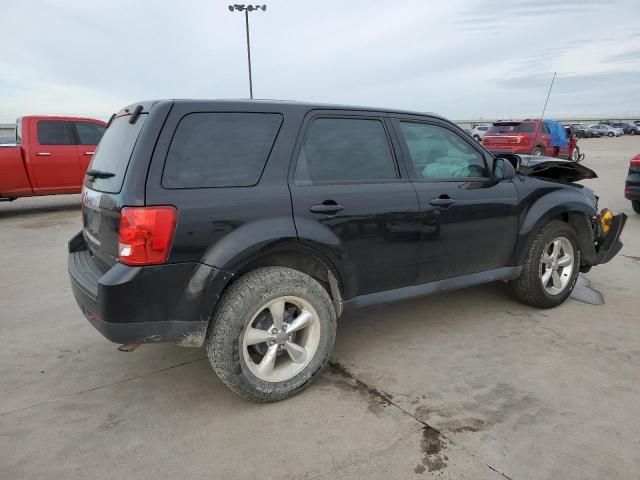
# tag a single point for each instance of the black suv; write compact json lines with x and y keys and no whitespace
{"x":251,"y":226}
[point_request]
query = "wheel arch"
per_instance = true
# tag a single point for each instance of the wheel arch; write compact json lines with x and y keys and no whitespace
{"x":288,"y":253}
{"x":572,"y":211}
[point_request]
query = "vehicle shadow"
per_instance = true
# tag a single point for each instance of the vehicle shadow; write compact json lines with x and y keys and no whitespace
{"x":38,"y":206}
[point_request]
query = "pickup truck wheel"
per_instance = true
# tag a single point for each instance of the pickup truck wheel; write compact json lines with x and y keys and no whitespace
{"x":537,"y":152}
{"x":575,"y":155}
{"x":551,"y":267}
{"x":272,"y":334}
{"x":636,"y":205}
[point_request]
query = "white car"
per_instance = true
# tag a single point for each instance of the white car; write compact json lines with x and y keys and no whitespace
{"x":606,"y":130}
{"x":478,"y":131}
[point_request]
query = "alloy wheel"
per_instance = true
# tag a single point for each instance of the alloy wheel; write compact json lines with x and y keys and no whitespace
{"x":281,"y":339}
{"x":556,"y":265}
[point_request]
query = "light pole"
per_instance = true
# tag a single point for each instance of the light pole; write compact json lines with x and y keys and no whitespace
{"x":246,"y":9}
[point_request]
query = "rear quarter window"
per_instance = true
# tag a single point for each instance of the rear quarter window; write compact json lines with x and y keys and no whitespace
{"x":220,"y":150}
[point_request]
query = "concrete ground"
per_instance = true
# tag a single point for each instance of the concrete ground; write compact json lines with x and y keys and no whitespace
{"x":470,"y":384}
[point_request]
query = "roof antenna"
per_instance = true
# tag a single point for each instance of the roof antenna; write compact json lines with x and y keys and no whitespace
{"x":542,"y":116}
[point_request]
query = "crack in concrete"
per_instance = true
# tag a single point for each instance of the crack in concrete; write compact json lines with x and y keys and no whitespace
{"x":388,"y":399}
{"x":93,"y":389}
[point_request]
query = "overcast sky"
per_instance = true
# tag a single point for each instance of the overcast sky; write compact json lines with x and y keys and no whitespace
{"x":461,"y":58}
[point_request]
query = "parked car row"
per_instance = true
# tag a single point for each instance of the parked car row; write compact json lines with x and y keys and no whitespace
{"x":606,"y":128}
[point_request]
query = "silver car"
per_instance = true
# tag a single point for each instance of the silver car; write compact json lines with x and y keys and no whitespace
{"x":478,"y":131}
{"x":606,"y":130}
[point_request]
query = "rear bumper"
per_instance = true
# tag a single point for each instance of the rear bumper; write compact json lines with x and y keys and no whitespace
{"x":161,"y":303}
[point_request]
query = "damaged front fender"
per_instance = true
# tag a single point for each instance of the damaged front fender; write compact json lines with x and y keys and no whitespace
{"x":554,"y":169}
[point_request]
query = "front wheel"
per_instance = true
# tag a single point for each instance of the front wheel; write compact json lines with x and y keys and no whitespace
{"x":633,"y":132}
{"x":537,"y":152}
{"x":551,"y":267}
{"x":610,"y":134}
{"x":636,"y":205}
{"x":272,"y":334}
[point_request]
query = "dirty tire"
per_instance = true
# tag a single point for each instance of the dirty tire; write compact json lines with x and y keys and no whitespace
{"x":537,"y":152}
{"x":636,"y":206}
{"x":528,"y":287}
{"x":237,"y":307}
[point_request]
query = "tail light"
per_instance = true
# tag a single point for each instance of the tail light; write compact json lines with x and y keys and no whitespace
{"x":635,"y":161}
{"x":146,"y":234}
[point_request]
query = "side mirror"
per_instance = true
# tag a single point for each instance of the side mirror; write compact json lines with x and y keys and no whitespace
{"x":503,"y":169}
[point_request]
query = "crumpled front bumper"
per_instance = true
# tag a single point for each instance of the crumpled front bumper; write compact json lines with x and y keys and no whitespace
{"x":609,"y":246}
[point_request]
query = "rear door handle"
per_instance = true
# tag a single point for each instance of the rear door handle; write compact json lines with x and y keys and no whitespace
{"x":89,"y":153}
{"x":43,"y":154}
{"x":327,"y":207}
{"x":442,"y":202}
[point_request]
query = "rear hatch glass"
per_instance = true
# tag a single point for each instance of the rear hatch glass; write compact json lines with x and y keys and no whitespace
{"x":512,"y":127}
{"x":100,"y":202}
{"x":114,"y":152}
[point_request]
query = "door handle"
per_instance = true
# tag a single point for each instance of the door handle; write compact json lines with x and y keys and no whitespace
{"x":328,"y":207}
{"x":89,"y":153}
{"x":442,"y":201}
{"x":43,"y":154}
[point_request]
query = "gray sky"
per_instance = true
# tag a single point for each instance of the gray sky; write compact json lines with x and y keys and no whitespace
{"x":460,"y":58}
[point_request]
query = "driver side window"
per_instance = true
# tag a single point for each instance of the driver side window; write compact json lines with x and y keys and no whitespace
{"x":438,"y":153}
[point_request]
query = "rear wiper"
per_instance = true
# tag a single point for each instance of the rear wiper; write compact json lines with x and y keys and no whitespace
{"x":99,"y":174}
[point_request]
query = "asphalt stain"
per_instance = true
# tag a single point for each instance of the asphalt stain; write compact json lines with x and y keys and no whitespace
{"x":376,"y":400}
{"x":584,"y":293}
{"x":432,"y":442}
{"x":431,"y":447}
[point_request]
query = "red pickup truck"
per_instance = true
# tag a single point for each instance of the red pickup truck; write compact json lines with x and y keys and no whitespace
{"x":50,"y":156}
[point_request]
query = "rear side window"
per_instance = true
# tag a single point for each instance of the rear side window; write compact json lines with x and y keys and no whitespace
{"x":54,"y":132}
{"x":345,"y":150}
{"x":114,"y":152}
{"x":89,"y":133}
{"x":220,"y":149}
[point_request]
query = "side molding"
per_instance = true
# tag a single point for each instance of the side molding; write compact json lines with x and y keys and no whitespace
{"x":405,"y":293}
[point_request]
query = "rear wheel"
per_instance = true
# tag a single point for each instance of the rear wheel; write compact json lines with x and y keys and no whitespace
{"x":272,"y":334}
{"x":633,"y":132}
{"x":551,"y":267}
{"x":636,"y":205}
{"x":537,"y":152}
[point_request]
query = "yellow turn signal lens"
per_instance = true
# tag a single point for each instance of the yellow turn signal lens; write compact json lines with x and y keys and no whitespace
{"x":605,"y":220}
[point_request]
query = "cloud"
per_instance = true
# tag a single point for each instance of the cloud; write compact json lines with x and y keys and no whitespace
{"x":461,"y":58}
